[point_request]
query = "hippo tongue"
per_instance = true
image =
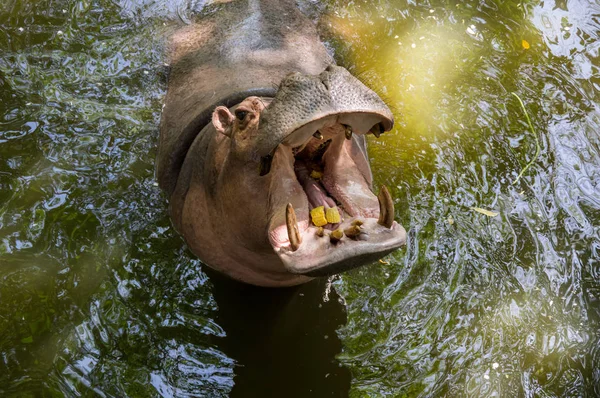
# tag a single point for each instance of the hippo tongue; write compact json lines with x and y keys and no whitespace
{"x":315,"y":192}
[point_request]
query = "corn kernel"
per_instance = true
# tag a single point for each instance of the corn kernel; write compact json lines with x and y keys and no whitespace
{"x":317,"y":175}
{"x":333,"y":215}
{"x":318,"y":216}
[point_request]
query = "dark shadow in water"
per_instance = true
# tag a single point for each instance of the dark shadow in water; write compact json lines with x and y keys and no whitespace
{"x":283,"y":340}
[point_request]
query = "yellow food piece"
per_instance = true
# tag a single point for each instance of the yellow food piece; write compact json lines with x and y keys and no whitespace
{"x":318,"y":216}
{"x":333,"y":215}
{"x":317,"y":175}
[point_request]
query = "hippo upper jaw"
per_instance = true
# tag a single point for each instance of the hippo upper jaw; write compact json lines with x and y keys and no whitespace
{"x":305,"y":104}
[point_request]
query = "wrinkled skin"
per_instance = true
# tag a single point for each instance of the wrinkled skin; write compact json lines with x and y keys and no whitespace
{"x":236,"y":155}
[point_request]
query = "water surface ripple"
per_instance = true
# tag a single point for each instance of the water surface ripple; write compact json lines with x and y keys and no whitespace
{"x":100,"y":297}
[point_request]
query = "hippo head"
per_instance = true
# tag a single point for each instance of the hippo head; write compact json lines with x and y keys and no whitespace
{"x":302,"y":150}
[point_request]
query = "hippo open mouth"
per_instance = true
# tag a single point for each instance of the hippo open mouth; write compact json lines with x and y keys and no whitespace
{"x":315,"y":150}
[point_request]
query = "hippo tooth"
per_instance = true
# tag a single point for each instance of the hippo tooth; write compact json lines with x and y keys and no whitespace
{"x":292,"y":227}
{"x":318,"y":135}
{"x":386,"y":208}
{"x":348,"y":131}
{"x":352,"y":232}
{"x":376,"y":130}
{"x":336,"y":236}
{"x":357,"y":223}
{"x":317,"y":155}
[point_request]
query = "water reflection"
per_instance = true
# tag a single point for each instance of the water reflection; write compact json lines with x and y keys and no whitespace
{"x":284,"y":341}
{"x":98,"y":295}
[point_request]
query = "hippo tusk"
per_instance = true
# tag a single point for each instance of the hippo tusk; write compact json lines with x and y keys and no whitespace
{"x":386,"y":208}
{"x":292,"y":227}
{"x":318,"y":135}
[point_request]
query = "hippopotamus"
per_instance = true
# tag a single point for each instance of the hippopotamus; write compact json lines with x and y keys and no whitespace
{"x":262,"y":149}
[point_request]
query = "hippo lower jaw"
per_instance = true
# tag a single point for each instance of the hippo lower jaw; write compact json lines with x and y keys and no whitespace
{"x":369,"y":230}
{"x":319,"y":256}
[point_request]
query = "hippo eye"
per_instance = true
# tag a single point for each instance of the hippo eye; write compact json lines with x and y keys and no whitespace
{"x":240,"y":114}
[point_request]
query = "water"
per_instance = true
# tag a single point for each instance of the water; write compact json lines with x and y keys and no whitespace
{"x":99,"y":296}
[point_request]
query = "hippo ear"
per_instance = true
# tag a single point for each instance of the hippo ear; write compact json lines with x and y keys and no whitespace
{"x":222,"y":119}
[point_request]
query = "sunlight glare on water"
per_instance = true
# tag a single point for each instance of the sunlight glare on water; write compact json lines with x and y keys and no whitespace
{"x":478,"y":305}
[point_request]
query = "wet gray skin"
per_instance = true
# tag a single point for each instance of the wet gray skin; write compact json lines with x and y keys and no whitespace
{"x":229,"y":162}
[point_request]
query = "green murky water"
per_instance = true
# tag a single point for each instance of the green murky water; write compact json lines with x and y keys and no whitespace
{"x":99,"y":296}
